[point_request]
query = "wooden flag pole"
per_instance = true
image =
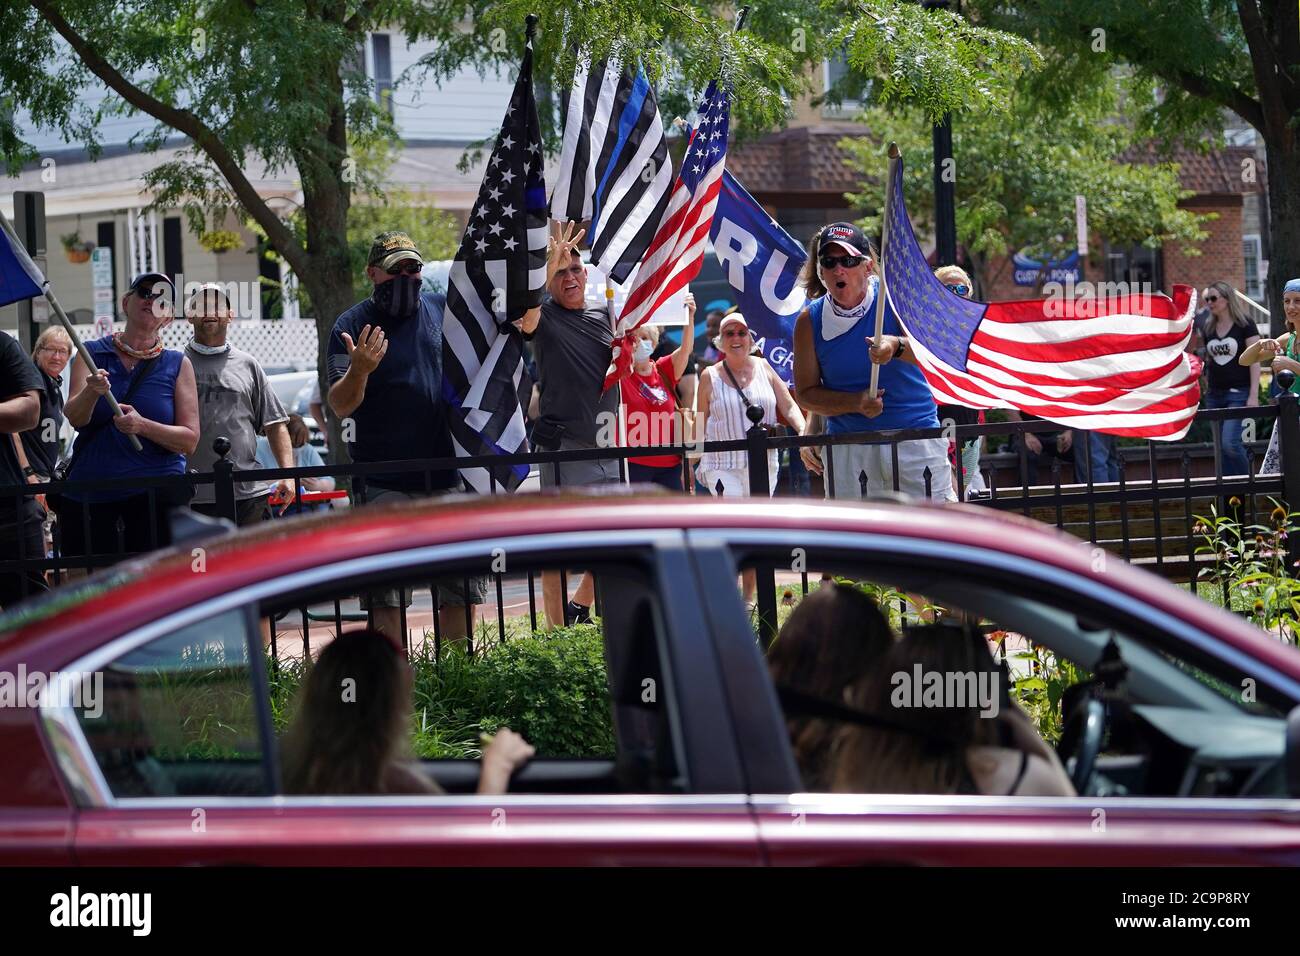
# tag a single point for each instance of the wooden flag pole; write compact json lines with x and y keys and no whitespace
{"x":894,"y":157}
{"x":67,"y":327}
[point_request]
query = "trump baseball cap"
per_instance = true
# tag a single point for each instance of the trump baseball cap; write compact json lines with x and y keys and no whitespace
{"x":390,"y":248}
{"x":847,"y":235}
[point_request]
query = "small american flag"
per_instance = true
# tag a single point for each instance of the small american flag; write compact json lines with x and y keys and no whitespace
{"x":1110,"y":364}
{"x":677,"y":250}
{"x":497,"y":276}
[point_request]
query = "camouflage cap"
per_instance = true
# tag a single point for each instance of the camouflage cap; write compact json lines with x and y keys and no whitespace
{"x":390,"y":248}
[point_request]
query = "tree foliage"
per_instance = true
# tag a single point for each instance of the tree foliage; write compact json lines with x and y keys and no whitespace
{"x":1017,"y":174}
{"x":1188,"y":61}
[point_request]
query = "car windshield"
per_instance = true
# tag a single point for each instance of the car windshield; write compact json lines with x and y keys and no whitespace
{"x":287,"y":387}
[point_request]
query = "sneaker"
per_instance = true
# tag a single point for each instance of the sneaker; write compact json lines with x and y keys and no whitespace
{"x":575,"y":613}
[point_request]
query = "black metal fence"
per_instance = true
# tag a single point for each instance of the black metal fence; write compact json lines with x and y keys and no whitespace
{"x":1146,"y":517}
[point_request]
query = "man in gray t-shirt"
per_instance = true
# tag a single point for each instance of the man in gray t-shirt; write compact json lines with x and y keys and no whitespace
{"x":573,"y":347}
{"x":237,"y":401}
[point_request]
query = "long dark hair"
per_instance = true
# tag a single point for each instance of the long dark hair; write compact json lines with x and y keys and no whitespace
{"x":832,"y":640}
{"x":353,"y":718}
{"x":934,"y":758}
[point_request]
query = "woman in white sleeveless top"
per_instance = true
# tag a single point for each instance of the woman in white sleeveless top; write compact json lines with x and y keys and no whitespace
{"x":722,"y":405}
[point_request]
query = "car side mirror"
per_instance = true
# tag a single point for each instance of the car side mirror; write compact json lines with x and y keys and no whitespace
{"x":1292,"y":759}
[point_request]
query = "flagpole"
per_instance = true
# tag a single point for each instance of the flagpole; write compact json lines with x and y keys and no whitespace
{"x":894,"y":157}
{"x":67,"y":327}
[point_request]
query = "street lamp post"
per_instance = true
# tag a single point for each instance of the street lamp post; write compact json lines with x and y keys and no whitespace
{"x":945,"y":186}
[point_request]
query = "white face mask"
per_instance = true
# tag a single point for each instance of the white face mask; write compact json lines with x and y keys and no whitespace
{"x":643,"y":350}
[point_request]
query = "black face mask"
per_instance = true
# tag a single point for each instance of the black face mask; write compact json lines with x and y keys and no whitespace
{"x":399,"y":297}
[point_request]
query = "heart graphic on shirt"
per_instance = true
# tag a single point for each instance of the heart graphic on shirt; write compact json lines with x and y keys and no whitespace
{"x":1222,"y":351}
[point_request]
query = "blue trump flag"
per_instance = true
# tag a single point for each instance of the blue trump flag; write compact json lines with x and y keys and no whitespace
{"x":762,"y":263}
{"x":19,"y":277}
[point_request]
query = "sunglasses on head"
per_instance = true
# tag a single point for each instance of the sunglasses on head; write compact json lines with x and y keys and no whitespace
{"x":848,"y":262}
{"x":960,"y":288}
{"x":409,"y":267}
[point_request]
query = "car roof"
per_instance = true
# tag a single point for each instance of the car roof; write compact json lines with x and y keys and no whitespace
{"x":140,"y":590}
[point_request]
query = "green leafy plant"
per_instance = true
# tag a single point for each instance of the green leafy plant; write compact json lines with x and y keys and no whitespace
{"x":549,"y":686}
{"x":1040,"y":691}
{"x":220,"y":240}
{"x":1250,"y":565}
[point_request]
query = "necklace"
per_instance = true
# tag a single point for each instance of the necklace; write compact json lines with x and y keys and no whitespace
{"x":152,"y":351}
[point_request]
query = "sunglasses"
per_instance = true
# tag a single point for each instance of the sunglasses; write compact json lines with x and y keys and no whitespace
{"x":960,"y":289}
{"x":848,"y":262}
{"x":1211,"y":298}
{"x":735,"y":333}
{"x":150,"y":296}
{"x":408,"y":267}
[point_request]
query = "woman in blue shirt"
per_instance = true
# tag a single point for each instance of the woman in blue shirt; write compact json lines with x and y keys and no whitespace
{"x":163,"y":413}
{"x":832,"y":372}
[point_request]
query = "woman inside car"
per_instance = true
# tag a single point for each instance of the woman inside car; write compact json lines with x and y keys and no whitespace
{"x":954,"y":745}
{"x":351,"y":734}
{"x":832,"y":640}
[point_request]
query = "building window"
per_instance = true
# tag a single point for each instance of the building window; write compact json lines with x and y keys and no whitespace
{"x":1138,"y":266}
{"x":837,"y":75}
{"x":383,"y":65}
{"x":1251,"y":251}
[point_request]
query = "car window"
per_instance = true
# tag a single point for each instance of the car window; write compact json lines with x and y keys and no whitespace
{"x":1172,"y":725}
{"x":179,"y":715}
{"x":588,"y":696}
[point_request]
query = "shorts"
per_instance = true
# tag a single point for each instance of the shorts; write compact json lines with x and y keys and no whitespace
{"x":851,"y":462}
{"x":447,"y":592}
{"x":248,"y":511}
{"x":575,"y":474}
{"x":669,"y":477}
{"x":734,"y":481}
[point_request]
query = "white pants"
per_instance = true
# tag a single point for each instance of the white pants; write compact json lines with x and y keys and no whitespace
{"x":735,"y":481}
{"x":851,"y":462}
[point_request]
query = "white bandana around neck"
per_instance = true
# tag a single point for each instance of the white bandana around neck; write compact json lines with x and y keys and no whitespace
{"x":837,"y":320}
{"x":208,"y":349}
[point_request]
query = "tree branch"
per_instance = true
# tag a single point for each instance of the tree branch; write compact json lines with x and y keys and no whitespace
{"x":1234,"y":99}
{"x":185,"y":122}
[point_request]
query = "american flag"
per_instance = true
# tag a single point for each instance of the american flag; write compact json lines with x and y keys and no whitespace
{"x":1112,"y":364}
{"x":498,"y":274}
{"x":677,"y":249}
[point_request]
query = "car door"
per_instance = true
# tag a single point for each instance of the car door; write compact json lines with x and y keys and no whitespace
{"x":224,"y":807}
{"x":799,"y":828}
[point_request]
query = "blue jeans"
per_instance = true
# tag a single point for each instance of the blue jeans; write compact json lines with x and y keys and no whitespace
{"x":1234,"y":452}
{"x":1103,"y":457}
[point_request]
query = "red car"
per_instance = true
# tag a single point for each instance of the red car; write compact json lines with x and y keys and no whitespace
{"x":1201,"y":765}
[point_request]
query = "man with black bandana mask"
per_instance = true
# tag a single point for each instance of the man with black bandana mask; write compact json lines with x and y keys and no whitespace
{"x":385,"y":374}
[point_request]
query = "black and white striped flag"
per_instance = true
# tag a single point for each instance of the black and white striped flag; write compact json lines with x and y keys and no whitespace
{"x":498,"y":274}
{"x":614,"y":168}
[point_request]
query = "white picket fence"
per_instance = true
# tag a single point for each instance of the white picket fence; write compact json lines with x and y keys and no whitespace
{"x":276,"y":344}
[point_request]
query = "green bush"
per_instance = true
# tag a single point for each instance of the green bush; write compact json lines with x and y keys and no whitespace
{"x":550,"y":687}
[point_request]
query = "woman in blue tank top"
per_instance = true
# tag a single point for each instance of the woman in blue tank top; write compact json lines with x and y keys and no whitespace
{"x":832,"y":370}
{"x":162,"y":411}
